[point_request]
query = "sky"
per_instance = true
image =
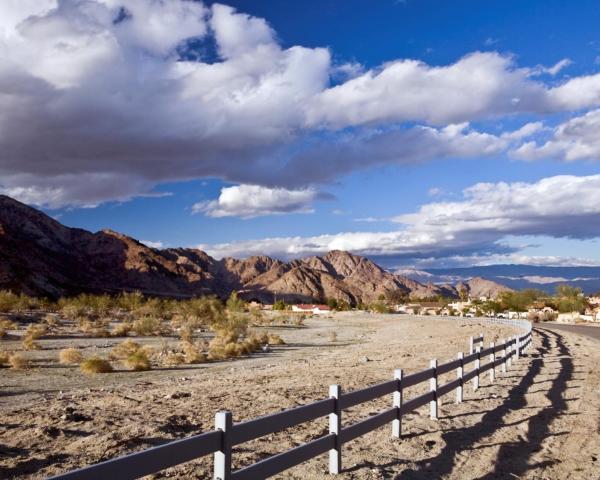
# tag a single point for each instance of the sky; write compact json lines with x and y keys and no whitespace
{"x":420,"y":133}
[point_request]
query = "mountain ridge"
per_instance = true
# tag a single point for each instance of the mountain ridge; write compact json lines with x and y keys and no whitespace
{"x":40,"y":256}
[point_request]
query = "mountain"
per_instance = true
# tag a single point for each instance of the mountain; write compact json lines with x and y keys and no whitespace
{"x":39,"y":256}
{"x":517,"y":277}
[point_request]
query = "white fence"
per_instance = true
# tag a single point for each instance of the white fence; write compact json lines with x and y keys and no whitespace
{"x":227,"y":435}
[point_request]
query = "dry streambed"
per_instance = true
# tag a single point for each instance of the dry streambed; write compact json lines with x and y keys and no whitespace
{"x":528,"y":424}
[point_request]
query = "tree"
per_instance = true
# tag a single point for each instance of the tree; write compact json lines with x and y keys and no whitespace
{"x":333,"y":303}
{"x":279,"y":305}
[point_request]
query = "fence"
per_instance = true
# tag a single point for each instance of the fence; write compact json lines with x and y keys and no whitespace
{"x":226,"y":435}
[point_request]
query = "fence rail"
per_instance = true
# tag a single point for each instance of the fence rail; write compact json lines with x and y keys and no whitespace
{"x":226,"y":434}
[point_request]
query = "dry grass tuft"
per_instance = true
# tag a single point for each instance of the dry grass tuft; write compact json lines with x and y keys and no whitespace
{"x":33,"y":333}
{"x":138,"y":361}
{"x":18,"y":361}
{"x":4,"y":356}
{"x":6,"y":325}
{"x":192,"y":353}
{"x":174,"y":359}
{"x":124,"y":350}
{"x":333,"y":336}
{"x":70,"y":356}
{"x":122,"y":330}
{"x":275,"y":339}
{"x":94,"y":365}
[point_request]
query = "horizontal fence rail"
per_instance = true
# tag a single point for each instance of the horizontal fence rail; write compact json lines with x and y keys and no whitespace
{"x":226,"y":435}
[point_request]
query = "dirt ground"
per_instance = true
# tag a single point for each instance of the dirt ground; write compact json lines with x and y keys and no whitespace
{"x":538,"y":421}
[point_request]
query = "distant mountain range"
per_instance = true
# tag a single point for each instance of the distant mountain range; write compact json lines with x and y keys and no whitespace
{"x":39,"y":256}
{"x":516,"y":277}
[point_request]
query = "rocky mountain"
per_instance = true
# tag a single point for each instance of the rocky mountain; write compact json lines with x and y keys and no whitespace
{"x":39,"y":256}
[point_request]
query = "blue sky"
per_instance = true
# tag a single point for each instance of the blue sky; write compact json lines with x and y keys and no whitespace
{"x":420,"y":133}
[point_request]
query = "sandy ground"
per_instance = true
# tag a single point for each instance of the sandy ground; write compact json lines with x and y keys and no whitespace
{"x":538,"y":421}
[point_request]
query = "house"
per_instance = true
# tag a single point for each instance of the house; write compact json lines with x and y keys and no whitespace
{"x":317,"y":309}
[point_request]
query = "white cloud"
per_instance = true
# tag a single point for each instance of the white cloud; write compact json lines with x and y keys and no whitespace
{"x":151,"y":244}
{"x":576,"y":139}
{"x":111,"y":89}
{"x":561,"y":206}
{"x":249,"y":201}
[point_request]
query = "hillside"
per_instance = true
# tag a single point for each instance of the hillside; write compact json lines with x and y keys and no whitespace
{"x":40,"y":256}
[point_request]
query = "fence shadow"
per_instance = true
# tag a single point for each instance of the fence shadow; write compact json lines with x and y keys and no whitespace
{"x":513,"y":457}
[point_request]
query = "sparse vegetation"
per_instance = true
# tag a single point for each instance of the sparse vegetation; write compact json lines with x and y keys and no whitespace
{"x":70,"y":356}
{"x":6,"y":325}
{"x":138,"y":361}
{"x":33,"y":333}
{"x":18,"y":361}
{"x":94,"y":365}
{"x":4,"y":356}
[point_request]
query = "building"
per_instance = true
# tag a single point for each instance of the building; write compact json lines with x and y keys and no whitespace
{"x":316,"y":309}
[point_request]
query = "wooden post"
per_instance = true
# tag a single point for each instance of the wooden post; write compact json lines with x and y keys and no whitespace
{"x":471,"y":350}
{"x":504,"y":355}
{"x":509,"y":353}
{"x":222,"y":458}
{"x":335,"y":427}
{"x":397,"y":403}
{"x":433,"y":404}
{"x":493,"y":360}
{"x":481,"y":341}
{"x":477,"y":366}
{"x":460,"y":371}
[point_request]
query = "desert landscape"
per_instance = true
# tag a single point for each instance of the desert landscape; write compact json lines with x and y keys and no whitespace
{"x":533,"y":422}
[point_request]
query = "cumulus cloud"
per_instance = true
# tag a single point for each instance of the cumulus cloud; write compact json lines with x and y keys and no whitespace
{"x":151,"y":244}
{"x":131,"y":91}
{"x":249,"y":201}
{"x":575,"y":139}
{"x":560,"y":206}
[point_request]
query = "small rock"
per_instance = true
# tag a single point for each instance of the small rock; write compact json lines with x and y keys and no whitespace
{"x":364,"y":359}
{"x":177,"y":395}
{"x":430,"y":443}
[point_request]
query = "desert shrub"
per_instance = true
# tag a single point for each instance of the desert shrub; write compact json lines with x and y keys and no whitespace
{"x":8,"y":301}
{"x":93,"y":365}
{"x":174,"y":358}
{"x":193,"y":353}
{"x":122,"y":329}
{"x":138,"y":361}
{"x":333,"y":336}
{"x":275,"y":339}
{"x":70,"y":356}
{"x":235,"y":303}
{"x":124,"y":350}
{"x":280,"y":305}
{"x":186,"y":333}
{"x":4,"y":356}
{"x":33,"y":333}
{"x":97,"y":328}
{"x":299,"y":320}
{"x":130,"y":301}
{"x":149,"y":326}
{"x":52,"y":320}
{"x":18,"y":361}
{"x":6,"y":325}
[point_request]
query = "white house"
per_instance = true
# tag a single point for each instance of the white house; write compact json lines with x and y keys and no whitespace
{"x":316,"y":309}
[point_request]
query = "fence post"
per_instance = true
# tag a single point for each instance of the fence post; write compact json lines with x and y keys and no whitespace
{"x":504,"y":355}
{"x":509,"y":352}
{"x":222,"y":458}
{"x":517,"y":347}
{"x":493,"y":360}
{"x":433,"y":404}
{"x":397,"y":403}
{"x":335,"y":427}
{"x":477,"y":366}
{"x":459,"y":375}
{"x":481,"y":341}
{"x":471,"y":350}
